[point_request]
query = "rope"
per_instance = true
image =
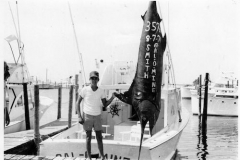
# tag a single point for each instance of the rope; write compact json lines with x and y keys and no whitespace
{"x":171,"y":64}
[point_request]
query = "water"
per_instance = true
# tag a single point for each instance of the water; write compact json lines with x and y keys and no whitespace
{"x":220,"y":141}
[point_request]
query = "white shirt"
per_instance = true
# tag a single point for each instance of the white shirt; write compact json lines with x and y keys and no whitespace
{"x":92,"y":103}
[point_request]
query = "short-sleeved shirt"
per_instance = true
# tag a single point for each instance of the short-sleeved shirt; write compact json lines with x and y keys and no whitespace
{"x":92,"y":103}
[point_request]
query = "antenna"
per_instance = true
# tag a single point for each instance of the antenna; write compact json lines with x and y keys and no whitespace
{"x":80,"y":55}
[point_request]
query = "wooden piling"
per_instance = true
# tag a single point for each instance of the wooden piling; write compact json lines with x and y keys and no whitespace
{"x":59,"y":102}
{"x":36,"y":118}
{"x":200,"y":94}
{"x":205,"y":103}
{"x":25,"y":93}
{"x":5,"y":104}
{"x":70,"y":106}
{"x":76,"y":92}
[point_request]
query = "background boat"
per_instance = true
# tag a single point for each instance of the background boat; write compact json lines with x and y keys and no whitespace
{"x":222,"y":97}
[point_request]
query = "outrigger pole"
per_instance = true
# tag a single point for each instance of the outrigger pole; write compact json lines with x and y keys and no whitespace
{"x":80,"y":55}
{"x":24,"y":83}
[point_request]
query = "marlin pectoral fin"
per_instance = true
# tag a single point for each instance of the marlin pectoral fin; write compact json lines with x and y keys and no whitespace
{"x":124,"y":98}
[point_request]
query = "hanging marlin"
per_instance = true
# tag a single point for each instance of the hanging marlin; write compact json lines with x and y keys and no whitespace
{"x":144,"y":93}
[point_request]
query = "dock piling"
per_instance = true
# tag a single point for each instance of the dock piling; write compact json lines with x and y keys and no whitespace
{"x":26,"y":107}
{"x":36,"y":118}
{"x":70,"y":106}
{"x":59,"y":101}
{"x":200,"y":94}
{"x":205,"y":104}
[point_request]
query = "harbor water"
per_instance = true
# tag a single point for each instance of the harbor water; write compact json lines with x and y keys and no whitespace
{"x":219,"y":142}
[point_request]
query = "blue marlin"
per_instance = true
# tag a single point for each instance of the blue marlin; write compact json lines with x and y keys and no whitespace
{"x":144,"y":93}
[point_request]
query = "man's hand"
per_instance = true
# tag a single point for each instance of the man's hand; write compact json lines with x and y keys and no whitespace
{"x":80,"y":120}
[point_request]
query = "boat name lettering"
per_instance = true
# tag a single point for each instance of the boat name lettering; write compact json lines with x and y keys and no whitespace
{"x":110,"y":156}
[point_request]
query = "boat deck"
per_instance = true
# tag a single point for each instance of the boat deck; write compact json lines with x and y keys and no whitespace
{"x":20,"y":141}
{"x":129,"y":131}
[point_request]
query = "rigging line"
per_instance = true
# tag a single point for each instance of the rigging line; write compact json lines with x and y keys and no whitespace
{"x":167,"y":43}
{"x":19,"y":36}
{"x":80,"y":55}
{"x":13,"y":19}
{"x":21,"y":47}
{"x":12,"y":53}
{"x":171,"y":71}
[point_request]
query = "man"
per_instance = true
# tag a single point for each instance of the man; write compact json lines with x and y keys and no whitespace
{"x":93,"y":97}
{"x":6,"y":76}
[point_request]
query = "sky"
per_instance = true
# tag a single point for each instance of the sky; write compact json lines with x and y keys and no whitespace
{"x":203,"y":36}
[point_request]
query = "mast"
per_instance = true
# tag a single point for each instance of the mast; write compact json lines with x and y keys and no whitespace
{"x":80,"y":55}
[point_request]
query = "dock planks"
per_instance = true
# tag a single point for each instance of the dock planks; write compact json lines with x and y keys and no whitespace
{"x":32,"y":157}
{"x":24,"y":138}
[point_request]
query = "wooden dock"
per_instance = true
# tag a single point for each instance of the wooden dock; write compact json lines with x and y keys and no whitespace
{"x":23,"y":142}
{"x":31,"y":157}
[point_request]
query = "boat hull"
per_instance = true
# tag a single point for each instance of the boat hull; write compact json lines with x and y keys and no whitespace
{"x":185,"y":92}
{"x":161,"y":146}
{"x":217,"y":106}
{"x":18,"y":122}
{"x":112,"y":149}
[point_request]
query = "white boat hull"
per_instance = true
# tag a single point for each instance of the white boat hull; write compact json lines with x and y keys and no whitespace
{"x":112,"y":149}
{"x":185,"y":92}
{"x":161,"y":146}
{"x":17,"y":116}
{"x":217,"y":106}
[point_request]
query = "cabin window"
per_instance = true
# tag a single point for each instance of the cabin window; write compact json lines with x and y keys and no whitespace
{"x":235,"y":102}
{"x":222,"y":101}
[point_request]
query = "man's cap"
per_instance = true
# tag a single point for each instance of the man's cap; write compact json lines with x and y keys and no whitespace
{"x":94,"y":74}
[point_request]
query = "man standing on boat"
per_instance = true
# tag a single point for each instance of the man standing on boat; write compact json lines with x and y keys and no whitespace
{"x":94,"y":97}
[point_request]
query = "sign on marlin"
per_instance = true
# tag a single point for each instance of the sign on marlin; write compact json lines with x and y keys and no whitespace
{"x":144,"y":93}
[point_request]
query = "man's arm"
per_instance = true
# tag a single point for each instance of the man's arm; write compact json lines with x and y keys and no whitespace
{"x":80,"y":119}
{"x":107,"y":102}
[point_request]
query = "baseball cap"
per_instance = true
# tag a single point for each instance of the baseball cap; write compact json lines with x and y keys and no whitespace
{"x":94,"y":74}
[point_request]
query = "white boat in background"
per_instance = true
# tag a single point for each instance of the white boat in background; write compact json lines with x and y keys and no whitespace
{"x":121,"y":136}
{"x":17,"y":84}
{"x":185,"y":91}
{"x":15,"y":101}
{"x":222,"y":97}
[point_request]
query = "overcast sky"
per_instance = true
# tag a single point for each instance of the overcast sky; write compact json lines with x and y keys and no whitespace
{"x":203,"y":35}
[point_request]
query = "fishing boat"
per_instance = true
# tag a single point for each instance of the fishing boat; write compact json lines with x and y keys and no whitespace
{"x":222,"y":97}
{"x":156,"y":131}
{"x":18,"y":87}
{"x":19,"y":76}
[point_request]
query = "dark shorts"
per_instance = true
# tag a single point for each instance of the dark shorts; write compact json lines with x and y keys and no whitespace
{"x":92,"y":122}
